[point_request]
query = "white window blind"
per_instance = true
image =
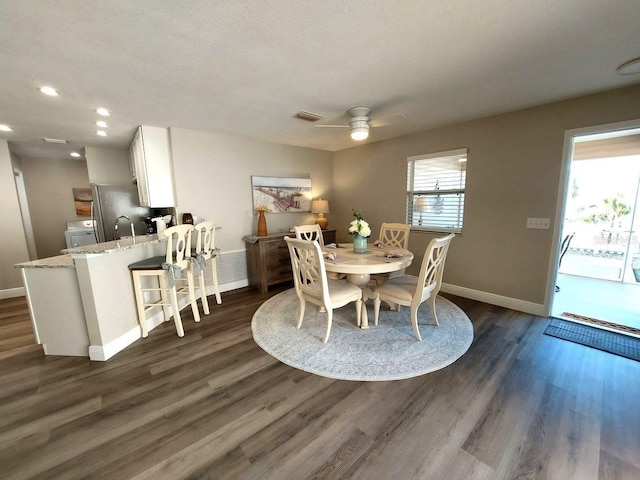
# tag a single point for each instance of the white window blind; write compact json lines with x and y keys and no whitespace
{"x":435,"y":191}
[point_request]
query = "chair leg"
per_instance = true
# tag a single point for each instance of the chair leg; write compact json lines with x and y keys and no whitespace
{"x":192,"y":296}
{"x":359,"y":304}
{"x":216,"y":288}
{"x":203,"y":294}
{"x":432,"y":306}
{"x":166,"y":299}
{"x":329,"y":320}
{"x":414,"y":322}
{"x":176,"y":312}
{"x":140,"y":304}
{"x":301,"y":314}
{"x":376,"y":309}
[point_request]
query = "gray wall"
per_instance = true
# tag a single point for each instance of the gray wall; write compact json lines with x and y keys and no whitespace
{"x":49,"y":183}
{"x":213,"y":180}
{"x":13,"y":244}
{"x":513,"y":173}
{"x":108,"y":165}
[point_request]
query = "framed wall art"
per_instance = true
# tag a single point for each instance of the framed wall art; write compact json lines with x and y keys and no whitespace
{"x":82,"y":199}
{"x":281,"y":194}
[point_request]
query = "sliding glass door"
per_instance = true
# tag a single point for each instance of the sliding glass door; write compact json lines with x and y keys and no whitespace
{"x":602,"y":209}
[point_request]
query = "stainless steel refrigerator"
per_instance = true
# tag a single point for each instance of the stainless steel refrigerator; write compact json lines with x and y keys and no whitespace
{"x":112,"y":201}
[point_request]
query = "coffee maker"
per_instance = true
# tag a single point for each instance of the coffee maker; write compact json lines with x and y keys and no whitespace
{"x":150,"y":226}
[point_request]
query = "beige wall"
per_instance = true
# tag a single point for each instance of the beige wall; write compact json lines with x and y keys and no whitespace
{"x":13,"y":244}
{"x":513,"y":173}
{"x":108,"y":165}
{"x":49,"y":184}
{"x":213,"y":180}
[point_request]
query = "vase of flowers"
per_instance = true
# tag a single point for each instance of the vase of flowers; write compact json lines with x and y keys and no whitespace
{"x":360,"y":231}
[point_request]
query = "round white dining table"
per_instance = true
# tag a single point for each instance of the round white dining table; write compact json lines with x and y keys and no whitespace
{"x":359,"y":266}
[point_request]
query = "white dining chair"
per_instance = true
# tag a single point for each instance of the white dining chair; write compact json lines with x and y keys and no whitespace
{"x":206,"y":252}
{"x":313,"y":286}
{"x":394,"y":235}
{"x":174,"y":277}
{"x":309,"y":232}
{"x":411,"y":291}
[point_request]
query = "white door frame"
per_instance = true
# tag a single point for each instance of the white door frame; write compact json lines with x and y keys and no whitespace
{"x":563,"y":188}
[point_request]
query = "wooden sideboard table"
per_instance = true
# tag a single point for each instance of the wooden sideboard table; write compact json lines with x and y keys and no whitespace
{"x":268,"y":260}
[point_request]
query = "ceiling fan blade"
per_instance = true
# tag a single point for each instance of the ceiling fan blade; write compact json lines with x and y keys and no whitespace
{"x":332,"y":126}
{"x":388,"y":120}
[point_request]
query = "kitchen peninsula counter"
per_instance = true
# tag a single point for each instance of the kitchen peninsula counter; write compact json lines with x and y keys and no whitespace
{"x":82,"y":302}
{"x":125,"y":243}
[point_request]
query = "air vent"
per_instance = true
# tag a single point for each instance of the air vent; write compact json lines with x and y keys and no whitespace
{"x":54,"y":140}
{"x":307,"y":116}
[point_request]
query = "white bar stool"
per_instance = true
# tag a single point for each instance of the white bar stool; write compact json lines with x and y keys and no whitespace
{"x":206,"y":250}
{"x":168,"y":269}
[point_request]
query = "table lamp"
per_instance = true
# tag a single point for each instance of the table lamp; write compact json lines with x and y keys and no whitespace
{"x":320,"y":207}
{"x":421,"y":205}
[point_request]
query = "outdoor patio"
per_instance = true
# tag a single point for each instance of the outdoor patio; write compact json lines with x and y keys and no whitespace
{"x":606,"y":300}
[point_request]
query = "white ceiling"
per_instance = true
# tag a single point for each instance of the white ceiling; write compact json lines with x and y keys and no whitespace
{"x":246,"y":67}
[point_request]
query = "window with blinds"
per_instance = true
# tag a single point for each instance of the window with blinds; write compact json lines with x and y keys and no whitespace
{"x":435,"y":191}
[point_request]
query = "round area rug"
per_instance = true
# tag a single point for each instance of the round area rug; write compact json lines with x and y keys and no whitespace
{"x":389,"y":351}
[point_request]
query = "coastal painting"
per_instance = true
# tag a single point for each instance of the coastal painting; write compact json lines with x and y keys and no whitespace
{"x":82,"y":199}
{"x":281,"y":194}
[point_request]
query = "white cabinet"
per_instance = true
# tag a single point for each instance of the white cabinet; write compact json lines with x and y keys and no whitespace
{"x":151,"y":156}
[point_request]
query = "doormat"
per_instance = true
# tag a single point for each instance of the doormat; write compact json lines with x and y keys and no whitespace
{"x":602,"y":323}
{"x":611,"y":342}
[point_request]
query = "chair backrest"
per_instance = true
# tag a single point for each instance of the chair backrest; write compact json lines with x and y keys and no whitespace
{"x":309,"y":232}
{"x":178,"y":244}
{"x":432,"y":267}
{"x":205,"y":238}
{"x":395,"y":235}
{"x":309,"y":273}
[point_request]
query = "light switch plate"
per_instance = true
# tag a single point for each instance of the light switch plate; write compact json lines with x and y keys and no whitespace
{"x":541,"y":223}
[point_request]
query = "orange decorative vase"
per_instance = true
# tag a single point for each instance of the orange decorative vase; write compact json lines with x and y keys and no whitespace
{"x":262,"y":224}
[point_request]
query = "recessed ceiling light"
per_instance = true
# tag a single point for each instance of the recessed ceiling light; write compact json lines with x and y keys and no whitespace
{"x":52,"y":92}
{"x":102,"y":133}
{"x":102,"y":123}
{"x":75,"y":154}
{"x":630,"y":68}
{"x":5,"y":128}
{"x":103,"y":111}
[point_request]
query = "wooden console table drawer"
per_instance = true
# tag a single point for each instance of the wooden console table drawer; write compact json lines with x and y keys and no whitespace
{"x":268,"y":260}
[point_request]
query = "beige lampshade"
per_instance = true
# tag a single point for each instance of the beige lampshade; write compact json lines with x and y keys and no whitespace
{"x":320,"y":207}
{"x":421,"y":205}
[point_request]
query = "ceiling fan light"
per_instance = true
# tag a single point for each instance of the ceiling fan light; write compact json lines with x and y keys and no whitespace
{"x":359,"y":133}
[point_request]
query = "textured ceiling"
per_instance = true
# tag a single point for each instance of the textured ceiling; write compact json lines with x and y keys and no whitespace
{"x":246,"y":67}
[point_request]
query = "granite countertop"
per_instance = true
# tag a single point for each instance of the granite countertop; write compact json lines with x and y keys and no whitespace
{"x":61,"y":261}
{"x":125,"y":243}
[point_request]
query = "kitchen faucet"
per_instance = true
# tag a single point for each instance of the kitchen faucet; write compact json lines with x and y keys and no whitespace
{"x":115,"y":228}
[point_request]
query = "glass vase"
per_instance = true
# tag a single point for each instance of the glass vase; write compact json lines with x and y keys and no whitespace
{"x":359,"y":244}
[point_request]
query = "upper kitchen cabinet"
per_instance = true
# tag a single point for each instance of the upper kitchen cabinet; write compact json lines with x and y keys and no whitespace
{"x":150,"y":155}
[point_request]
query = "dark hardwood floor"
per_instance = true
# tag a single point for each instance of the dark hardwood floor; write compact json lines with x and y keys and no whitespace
{"x":518,"y":404}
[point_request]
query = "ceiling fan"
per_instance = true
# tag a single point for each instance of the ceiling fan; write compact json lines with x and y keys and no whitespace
{"x":360,"y":122}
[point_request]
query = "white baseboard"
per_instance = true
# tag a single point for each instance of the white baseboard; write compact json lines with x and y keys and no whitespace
{"x":102,"y":353}
{"x":493,"y":299}
{"x":12,"y":293}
